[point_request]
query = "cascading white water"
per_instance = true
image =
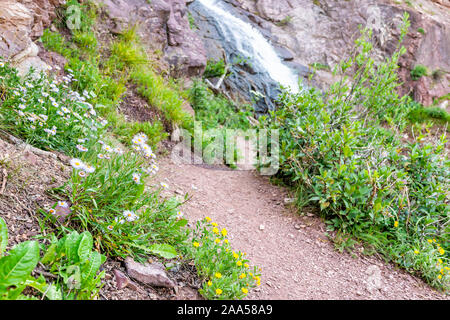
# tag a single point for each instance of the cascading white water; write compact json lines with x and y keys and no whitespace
{"x":251,"y":43}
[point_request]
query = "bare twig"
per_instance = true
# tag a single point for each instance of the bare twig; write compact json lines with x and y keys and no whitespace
{"x":5,"y":174}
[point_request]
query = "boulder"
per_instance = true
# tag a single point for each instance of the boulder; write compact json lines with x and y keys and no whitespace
{"x":153,"y":274}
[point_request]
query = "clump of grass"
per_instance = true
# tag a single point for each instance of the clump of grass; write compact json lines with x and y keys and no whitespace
{"x":418,"y":71}
{"x":419,"y":113}
{"x":214,"y":68}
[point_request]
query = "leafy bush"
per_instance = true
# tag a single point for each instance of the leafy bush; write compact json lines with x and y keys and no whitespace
{"x":70,"y":260}
{"x":214,"y":68}
{"x":418,"y":71}
{"x":45,"y":112}
{"x":344,"y":148}
{"x":228,"y":273}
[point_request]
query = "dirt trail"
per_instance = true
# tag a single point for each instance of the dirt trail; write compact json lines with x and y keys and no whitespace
{"x":296,"y":264}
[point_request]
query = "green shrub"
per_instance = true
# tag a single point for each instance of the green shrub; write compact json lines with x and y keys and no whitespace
{"x":344,"y":148}
{"x":227,"y":272}
{"x":45,"y":113}
{"x":418,"y":71}
{"x":214,"y":68}
{"x":70,"y":260}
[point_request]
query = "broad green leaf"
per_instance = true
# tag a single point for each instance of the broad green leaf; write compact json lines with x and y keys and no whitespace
{"x":71,"y":246}
{"x":50,"y":290}
{"x":91,"y":268}
{"x":50,"y":254}
{"x":17,"y":266}
{"x":85,"y":246}
{"x":164,"y":250}
{"x":3,"y":236}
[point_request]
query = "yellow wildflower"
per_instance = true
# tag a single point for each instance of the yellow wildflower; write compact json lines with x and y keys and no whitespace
{"x":210,"y":283}
{"x":239,"y":263}
{"x":430,"y":241}
{"x":441,"y":251}
{"x":218,"y":291}
{"x":235,"y":255}
{"x":208,"y":219}
{"x":217,"y":240}
{"x":396,"y":224}
{"x":439,"y":277}
{"x":218,"y":275}
{"x":196,"y":244}
{"x":416,"y":251}
{"x":242,"y":276}
{"x":214,"y":224}
{"x":215,"y":230}
{"x":244,"y":290}
{"x":226,"y":241}
{"x":224,"y":232}
{"x":246,"y":265}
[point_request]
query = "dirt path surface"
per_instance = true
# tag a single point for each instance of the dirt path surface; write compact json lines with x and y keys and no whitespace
{"x":296,"y":264}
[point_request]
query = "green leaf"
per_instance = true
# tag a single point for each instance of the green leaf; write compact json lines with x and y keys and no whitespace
{"x":3,"y":236}
{"x":71,"y":246}
{"x":90,"y":269}
{"x":85,"y":246}
{"x":17,"y":266}
{"x":50,"y":291}
{"x":50,"y":254}
{"x":164,"y":250}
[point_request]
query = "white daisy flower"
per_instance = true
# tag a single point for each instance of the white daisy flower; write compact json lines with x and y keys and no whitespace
{"x":119,"y":220}
{"x":21,"y":107}
{"x":137,"y":178}
{"x":51,"y":132}
{"x":130,"y":216}
{"x":82,"y":174}
{"x":107,"y":148}
{"x":65,"y":110}
{"x":63,"y":204}
{"x":100,"y":156}
{"x":82,"y":148}
{"x":164,"y":185}
{"x":110,"y":228}
{"x":89,"y":169}
{"x":77,"y":163}
{"x":180,"y":215}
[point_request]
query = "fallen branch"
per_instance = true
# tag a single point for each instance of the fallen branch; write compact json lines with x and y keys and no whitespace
{"x":5,"y":174}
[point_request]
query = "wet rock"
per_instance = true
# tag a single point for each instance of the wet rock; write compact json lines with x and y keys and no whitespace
{"x":153,"y":274}
{"x":284,"y":53}
{"x":324,"y":32}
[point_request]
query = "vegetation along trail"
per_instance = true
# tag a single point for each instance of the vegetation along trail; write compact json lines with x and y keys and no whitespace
{"x":296,"y":259}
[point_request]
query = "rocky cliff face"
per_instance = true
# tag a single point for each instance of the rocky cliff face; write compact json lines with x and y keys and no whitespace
{"x":304,"y":32}
{"x":163,"y":25}
{"x":21,"y":23}
{"x":323,"y":31}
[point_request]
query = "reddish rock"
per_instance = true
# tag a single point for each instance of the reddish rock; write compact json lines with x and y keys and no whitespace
{"x":153,"y":274}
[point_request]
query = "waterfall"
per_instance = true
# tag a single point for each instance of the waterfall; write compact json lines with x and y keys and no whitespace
{"x":252,"y":44}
